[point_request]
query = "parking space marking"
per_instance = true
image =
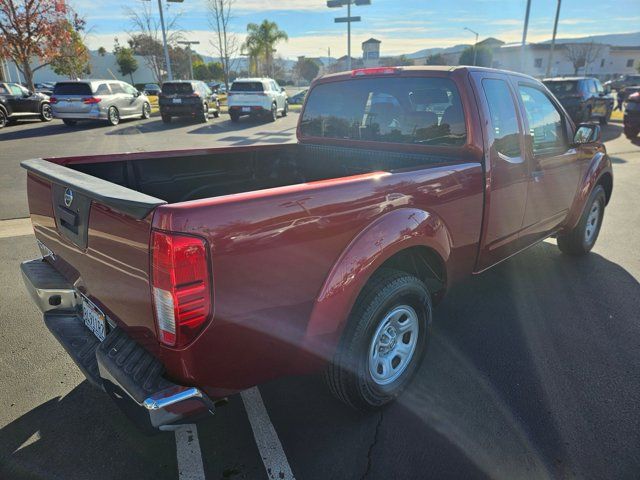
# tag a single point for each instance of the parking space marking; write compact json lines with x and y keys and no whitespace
{"x":15,"y":228}
{"x":190,"y":465}
{"x":267,"y":441}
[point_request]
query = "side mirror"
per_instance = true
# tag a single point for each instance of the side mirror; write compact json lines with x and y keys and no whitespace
{"x":587,"y":133}
{"x":29,"y":93}
{"x":282,"y":90}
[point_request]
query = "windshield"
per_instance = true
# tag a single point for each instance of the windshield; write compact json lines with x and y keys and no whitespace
{"x":399,"y":110}
{"x":562,"y":88}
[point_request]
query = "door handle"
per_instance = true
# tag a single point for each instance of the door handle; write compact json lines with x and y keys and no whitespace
{"x":537,"y":175}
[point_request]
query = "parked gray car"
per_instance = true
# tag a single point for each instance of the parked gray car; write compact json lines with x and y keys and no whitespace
{"x":109,"y":100}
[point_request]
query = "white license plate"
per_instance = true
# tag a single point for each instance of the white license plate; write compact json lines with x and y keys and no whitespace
{"x":177,"y":100}
{"x":94,"y":319}
{"x":246,"y":109}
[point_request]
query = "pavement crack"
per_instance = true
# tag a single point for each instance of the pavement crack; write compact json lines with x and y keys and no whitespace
{"x":371,"y":447}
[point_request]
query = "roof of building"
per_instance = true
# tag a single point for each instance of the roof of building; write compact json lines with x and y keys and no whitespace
{"x":371,"y":40}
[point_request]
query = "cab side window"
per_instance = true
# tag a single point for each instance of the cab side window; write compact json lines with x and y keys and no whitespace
{"x":504,"y":119}
{"x":546,"y":125}
{"x":15,"y":90}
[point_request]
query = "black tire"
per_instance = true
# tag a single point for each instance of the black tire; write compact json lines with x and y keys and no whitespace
{"x":631,"y":132}
{"x":166,"y":119}
{"x":349,"y":375}
{"x":273,"y":115}
{"x":46,"y":114}
{"x":286,"y":109}
{"x":582,"y":238}
{"x":3,"y":118}
{"x":69,"y":123}
{"x":604,"y":120}
{"x":113,"y":116}
{"x":204,"y":118}
{"x":234,"y":117}
{"x":146,"y":111}
{"x":216,"y":114}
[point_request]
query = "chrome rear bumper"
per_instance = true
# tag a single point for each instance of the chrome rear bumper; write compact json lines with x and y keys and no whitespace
{"x":120,"y":366}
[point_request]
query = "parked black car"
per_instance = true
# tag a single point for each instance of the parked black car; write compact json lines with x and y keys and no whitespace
{"x":152,"y":89}
{"x":632,"y":112}
{"x":583,"y":98}
{"x":17,"y":102}
{"x":187,"y":98}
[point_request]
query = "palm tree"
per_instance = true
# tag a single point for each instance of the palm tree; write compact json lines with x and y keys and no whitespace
{"x":261,"y":42}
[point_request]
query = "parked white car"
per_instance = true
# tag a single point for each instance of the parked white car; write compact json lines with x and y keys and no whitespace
{"x":256,"y":97}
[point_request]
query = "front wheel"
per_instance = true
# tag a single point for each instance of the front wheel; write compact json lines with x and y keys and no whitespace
{"x":3,"y":119}
{"x":146,"y":111}
{"x":113,"y":116}
{"x":384,"y":341}
{"x":582,"y":238}
{"x":204,"y":118}
{"x":234,"y":117}
{"x":286,"y":109}
{"x":46,"y":114}
{"x":166,"y":118}
{"x":274,"y":113}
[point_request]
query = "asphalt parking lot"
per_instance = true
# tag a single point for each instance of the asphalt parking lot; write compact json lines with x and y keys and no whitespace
{"x":533,"y":370}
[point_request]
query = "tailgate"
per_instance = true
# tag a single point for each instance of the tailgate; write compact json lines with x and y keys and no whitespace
{"x":99,"y":235}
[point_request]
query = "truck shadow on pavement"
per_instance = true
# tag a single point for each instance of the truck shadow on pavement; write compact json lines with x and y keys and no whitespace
{"x":531,"y":372}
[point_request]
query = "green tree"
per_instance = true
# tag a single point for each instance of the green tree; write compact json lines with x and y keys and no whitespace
{"x":261,"y":44}
{"x":201,"y":70}
{"x":216,"y":69}
{"x":436,"y":59}
{"x":127,"y":63}
{"x":72,"y":59}
{"x":483,"y":56}
{"x":307,"y":68}
{"x":102,"y":51}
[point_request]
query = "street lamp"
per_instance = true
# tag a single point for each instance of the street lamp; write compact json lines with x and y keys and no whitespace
{"x":164,"y":36}
{"x":475,"y":47}
{"x":188,"y":44}
{"x":348,"y":19}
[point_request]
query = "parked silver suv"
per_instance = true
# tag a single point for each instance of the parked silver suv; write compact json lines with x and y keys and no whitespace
{"x":109,"y":100}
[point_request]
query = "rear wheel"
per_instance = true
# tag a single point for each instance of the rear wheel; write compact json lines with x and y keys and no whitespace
{"x":384,"y":341}
{"x":274,"y":113}
{"x":166,"y":118}
{"x":205,"y":114}
{"x":582,"y":238}
{"x":146,"y":111}
{"x":69,"y":123}
{"x":631,"y":132}
{"x":46,"y":114}
{"x":234,"y":117}
{"x":113,"y":116}
{"x":3,"y":119}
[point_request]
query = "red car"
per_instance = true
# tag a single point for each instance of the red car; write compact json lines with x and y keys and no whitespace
{"x":174,"y":279}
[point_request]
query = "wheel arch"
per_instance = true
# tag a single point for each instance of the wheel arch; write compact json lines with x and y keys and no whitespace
{"x":407,"y":239}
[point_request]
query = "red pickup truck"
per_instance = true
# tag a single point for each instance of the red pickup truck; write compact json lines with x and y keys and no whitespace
{"x":175,"y":279}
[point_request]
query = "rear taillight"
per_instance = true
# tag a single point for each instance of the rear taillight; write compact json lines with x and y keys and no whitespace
{"x":181,"y":287}
{"x":195,"y":94}
{"x":53,"y":100}
{"x":91,"y":100}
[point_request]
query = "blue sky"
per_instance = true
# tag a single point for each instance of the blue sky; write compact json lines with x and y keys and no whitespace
{"x":404,"y":26}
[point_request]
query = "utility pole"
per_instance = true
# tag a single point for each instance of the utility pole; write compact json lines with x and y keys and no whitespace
{"x":348,"y":19}
{"x":524,"y":35}
{"x":475,"y":47}
{"x":553,"y":40}
{"x":190,"y":52}
{"x":164,"y":37}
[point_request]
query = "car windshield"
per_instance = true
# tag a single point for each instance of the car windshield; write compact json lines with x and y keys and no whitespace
{"x":72,"y":88}
{"x":400,"y":110}
{"x":177,"y":88}
{"x":247,"y":87}
{"x":562,"y":87}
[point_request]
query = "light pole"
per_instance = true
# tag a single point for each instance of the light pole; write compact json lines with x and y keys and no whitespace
{"x":164,"y":37}
{"x":188,"y":44}
{"x":348,"y":19}
{"x":553,"y":39}
{"x":524,"y":35}
{"x":475,"y":46}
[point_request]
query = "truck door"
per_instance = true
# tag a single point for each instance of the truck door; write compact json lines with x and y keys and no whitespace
{"x":555,"y":167}
{"x":506,"y":168}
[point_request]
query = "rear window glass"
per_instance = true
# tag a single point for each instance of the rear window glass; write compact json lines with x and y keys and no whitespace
{"x":247,"y":87}
{"x":72,"y":89}
{"x":177,"y":88}
{"x":562,"y":88}
{"x":401,"y":110}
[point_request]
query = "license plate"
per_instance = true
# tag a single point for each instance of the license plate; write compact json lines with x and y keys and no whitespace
{"x":177,"y":100}
{"x":246,"y":109}
{"x":94,"y":319}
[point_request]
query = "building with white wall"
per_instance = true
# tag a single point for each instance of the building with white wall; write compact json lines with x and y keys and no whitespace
{"x":371,"y":52}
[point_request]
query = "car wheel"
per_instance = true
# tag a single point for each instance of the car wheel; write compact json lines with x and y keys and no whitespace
{"x":384,"y":341}
{"x":46,"y":114}
{"x":274,"y":113}
{"x":146,"y":111}
{"x":205,"y":114}
{"x":3,"y":119}
{"x":630,"y":132}
{"x":69,"y":123}
{"x":166,"y":119}
{"x":286,"y":109}
{"x":113,"y":116}
{"x":582,"y":238}
{"x":234,"y":117}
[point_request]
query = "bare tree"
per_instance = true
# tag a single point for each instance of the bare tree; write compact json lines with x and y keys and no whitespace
{"x":146,"y":36}
{"x":226,"y":43}
{"x":582,"y":54}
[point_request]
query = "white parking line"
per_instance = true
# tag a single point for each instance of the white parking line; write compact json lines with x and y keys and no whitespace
{"x":267,"y":441}
{"x":190,"y":465}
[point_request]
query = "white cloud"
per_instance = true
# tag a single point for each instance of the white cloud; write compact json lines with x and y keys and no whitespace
{"x":271,"y":5}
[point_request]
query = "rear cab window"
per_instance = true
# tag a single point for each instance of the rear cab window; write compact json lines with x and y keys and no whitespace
{"x":247,"y":87}
{"x":169,"y":88}
{"x":414,"y":110}
{"x":69,"y":88}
